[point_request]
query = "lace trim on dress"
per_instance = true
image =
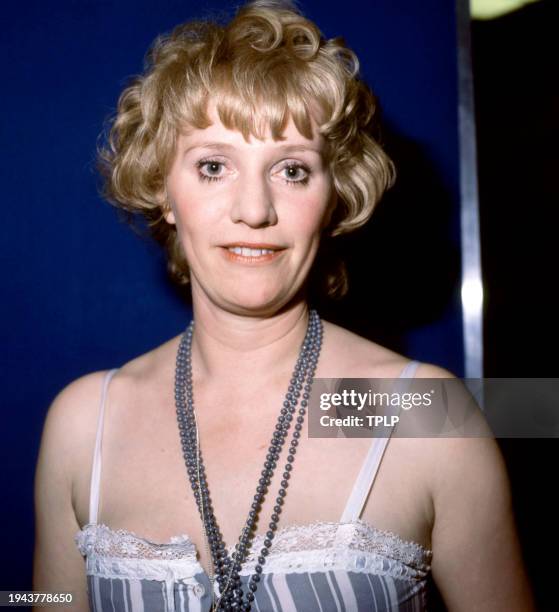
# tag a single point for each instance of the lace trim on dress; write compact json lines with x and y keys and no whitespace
{"x":357,"y":536}
{"x":121,"y":553}
{"x":320,"y":546}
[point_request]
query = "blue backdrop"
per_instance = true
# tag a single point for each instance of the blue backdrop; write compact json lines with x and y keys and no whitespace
{"x":83,"y":293}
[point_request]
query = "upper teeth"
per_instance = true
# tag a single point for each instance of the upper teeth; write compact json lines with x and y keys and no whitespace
{"x":246,"y":252}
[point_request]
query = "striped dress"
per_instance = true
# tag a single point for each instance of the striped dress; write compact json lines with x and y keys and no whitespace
{"x":345,"y":566}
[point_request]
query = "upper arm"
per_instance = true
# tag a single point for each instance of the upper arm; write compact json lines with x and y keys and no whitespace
{"x":65,"y":452}
{"x":477,"y":561}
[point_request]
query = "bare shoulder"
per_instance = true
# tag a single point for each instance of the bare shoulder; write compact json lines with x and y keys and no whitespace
{"x":146,"y":369}
{"x":133,"y":376}
{"x":71,"y":422}
{"x":348,"y":354}
{"x":72,"y":416}
{"x":79,"y":399}
{"x":68,"y":436}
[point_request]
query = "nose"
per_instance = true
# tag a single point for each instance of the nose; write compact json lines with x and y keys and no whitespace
{"x":253,"y":203}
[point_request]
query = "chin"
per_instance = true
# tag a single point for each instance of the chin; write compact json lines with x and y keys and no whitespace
{"x":257,"y":303}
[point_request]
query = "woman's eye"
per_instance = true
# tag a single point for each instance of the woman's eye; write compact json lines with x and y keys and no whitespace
{"x":296,"y":174}
{"x":292,"y":173}
{"x":209,"y":169}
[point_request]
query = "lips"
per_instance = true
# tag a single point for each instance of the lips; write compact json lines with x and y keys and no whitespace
{"x":254,"y":245}
{"x":250,"y":252}
{"x":246,"y":252}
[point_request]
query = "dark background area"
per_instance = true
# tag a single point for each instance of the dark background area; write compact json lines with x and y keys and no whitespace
{"x":83,"y":293}
{"x":516,"y":63}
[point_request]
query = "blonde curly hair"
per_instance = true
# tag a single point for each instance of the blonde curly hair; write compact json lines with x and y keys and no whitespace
{"x":267,"y":64}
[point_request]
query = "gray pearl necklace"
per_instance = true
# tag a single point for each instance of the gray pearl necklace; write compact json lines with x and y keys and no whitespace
{"x":227,"y":570}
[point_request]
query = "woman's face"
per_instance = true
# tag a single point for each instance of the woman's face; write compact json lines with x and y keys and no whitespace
{"x":249,"y":215}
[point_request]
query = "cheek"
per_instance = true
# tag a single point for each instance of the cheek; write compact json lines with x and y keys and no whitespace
{"x":311,"y":217}
{"x":193,"y":214}
{"x":185,"y":195}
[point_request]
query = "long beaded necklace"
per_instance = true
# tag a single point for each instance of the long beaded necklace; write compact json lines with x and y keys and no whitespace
{"x":227,"y":570}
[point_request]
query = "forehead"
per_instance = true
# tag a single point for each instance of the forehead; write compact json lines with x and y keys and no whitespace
{"x":218,"y":132}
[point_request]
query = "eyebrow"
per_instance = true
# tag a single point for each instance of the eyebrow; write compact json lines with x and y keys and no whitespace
{"x":229,"y":146}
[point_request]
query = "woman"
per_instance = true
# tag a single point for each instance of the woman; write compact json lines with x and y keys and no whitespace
{"x":246,"y":146}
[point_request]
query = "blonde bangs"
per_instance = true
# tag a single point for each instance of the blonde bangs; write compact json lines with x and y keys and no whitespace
{"x":254,"y":96}
{"x":258,"y":110}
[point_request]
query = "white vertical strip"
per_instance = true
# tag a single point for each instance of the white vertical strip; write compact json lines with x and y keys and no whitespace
{"x":136,"y":595}
{"x":346,"y":589}
{"x":97,"y":592}
{"x":265,"y":581}
{"x":373,"y":594}
{"x":124,"y":595}
{"x":392,"y":592}
{"x":181,"y":598}
{"x":333,"y":592}
{"x":315,"y":593}
{"x":194,"y":602}
{"x":472,"y":286}
{"x":387,"y":604}
{"x":282,"y":591}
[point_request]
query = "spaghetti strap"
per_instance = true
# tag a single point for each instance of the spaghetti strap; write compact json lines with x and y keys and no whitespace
{"x":365,"y":479}
{"x":96,"y":467}
{"x":409,"y":369}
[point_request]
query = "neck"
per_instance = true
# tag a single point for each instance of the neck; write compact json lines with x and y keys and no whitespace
{"x":230,"y":345}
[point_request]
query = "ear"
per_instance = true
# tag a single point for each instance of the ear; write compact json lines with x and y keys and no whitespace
{"x":169,"y":215}
{"x":167,"y":208}
{"x":166,"y":205}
